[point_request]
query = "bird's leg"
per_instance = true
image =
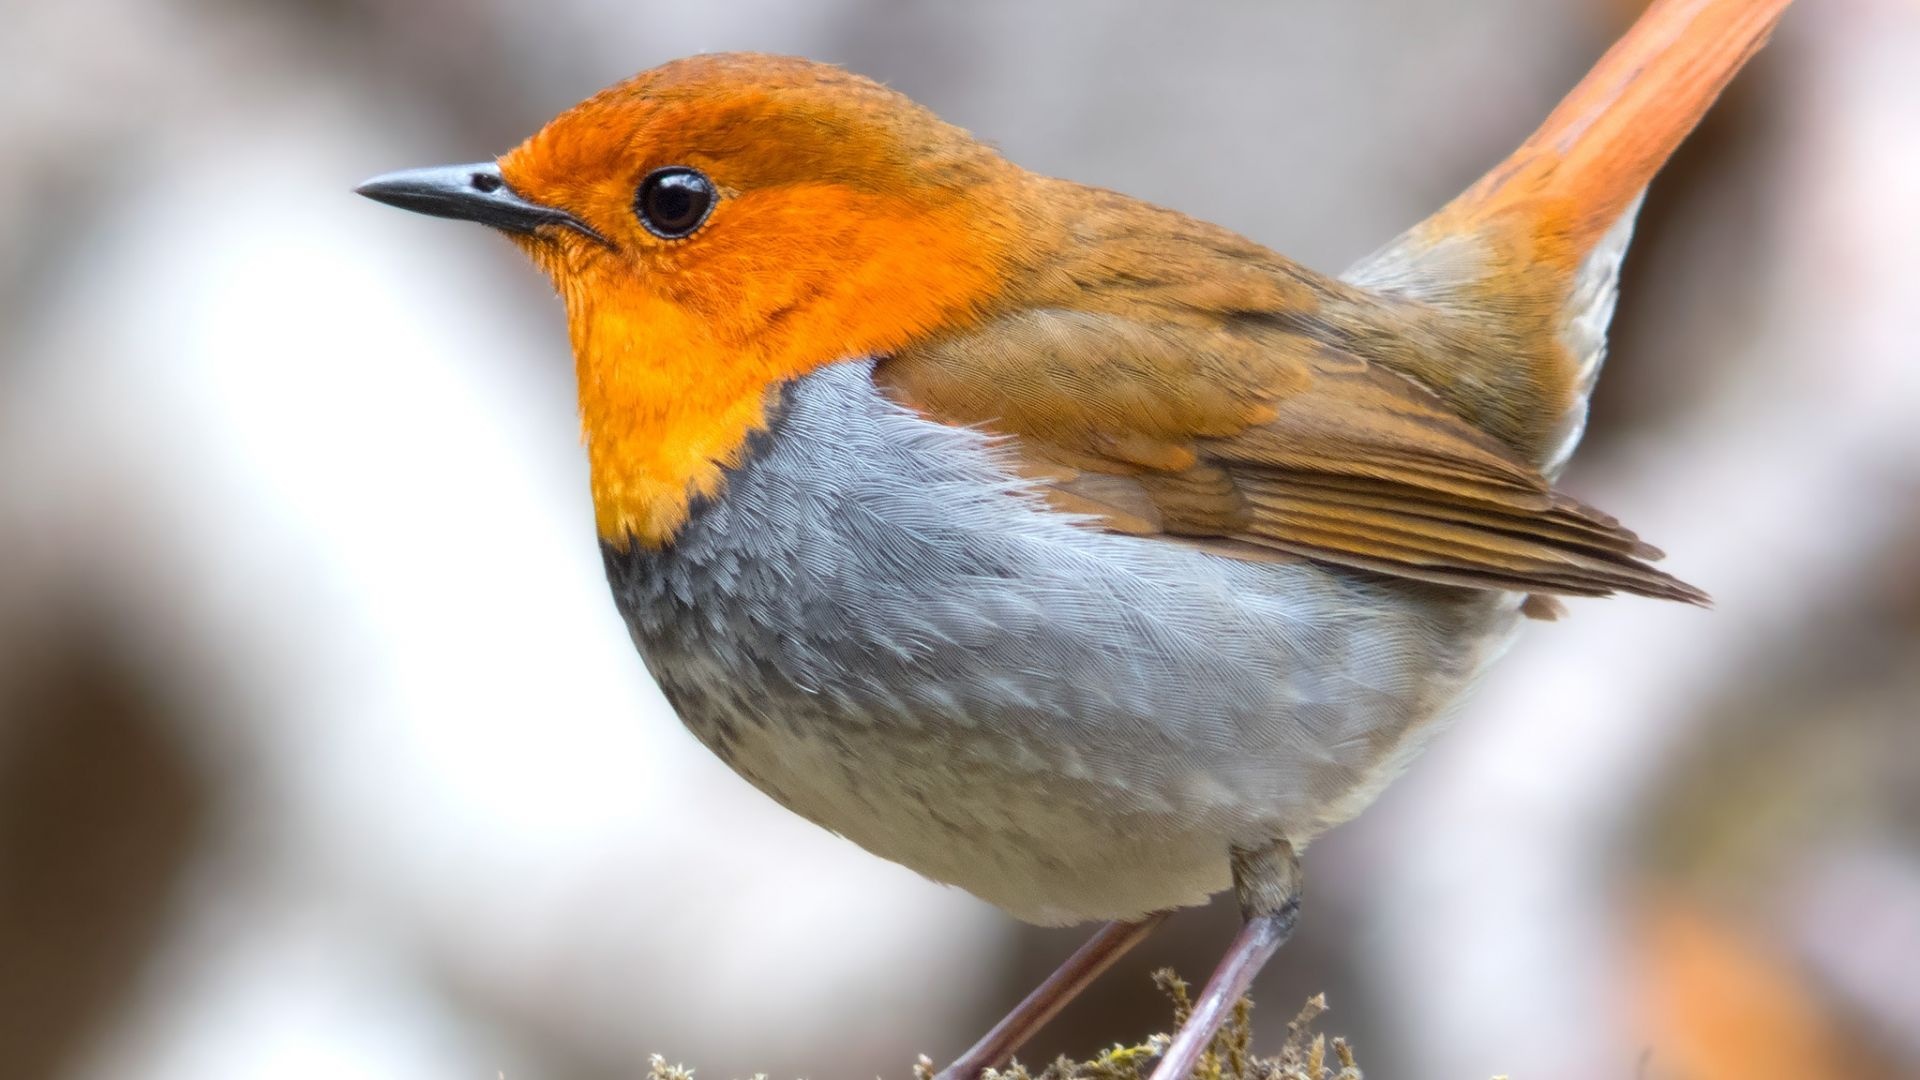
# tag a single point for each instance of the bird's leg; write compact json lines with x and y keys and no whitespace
{"x":1267,"y":881}
{"x":1027,"y":1018}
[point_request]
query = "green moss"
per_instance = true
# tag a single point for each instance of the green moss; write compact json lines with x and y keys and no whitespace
{"x":1306,"y":1055}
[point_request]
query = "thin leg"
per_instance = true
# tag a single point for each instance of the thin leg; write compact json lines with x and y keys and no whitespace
{"x":1027,"y":1018}
{"x":1268,"y":883}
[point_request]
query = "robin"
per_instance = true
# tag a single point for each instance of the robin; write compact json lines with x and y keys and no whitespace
{"x":1057,"y":545}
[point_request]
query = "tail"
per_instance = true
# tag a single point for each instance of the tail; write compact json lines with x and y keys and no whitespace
{"x":1534,"y":247}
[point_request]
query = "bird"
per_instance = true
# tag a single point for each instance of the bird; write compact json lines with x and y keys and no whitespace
{"x":1062,"y":547}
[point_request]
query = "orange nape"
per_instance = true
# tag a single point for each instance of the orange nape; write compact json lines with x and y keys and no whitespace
{"x":848,"y":221}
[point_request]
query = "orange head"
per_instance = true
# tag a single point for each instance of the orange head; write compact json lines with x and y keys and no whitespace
{"x":722,"y":224}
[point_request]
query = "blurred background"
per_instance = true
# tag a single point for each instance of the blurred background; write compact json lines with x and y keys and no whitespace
{"x":323,"y":753}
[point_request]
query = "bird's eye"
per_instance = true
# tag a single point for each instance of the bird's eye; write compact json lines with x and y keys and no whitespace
{"x":674,"y":201}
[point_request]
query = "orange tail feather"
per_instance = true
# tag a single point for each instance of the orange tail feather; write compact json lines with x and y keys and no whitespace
{"x":1575,"y":177}
{"x":1520,"y":271}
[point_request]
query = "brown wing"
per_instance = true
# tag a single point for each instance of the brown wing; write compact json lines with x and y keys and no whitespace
{"x":1261,"y":438}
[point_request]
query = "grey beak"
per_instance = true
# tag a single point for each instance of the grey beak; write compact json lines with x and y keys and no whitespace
{"x":468,"y":193}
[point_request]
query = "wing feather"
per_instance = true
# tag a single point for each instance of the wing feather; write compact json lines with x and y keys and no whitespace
{"x":1254,"y":437}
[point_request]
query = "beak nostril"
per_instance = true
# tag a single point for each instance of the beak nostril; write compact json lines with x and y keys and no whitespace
{"x":475,"y":192}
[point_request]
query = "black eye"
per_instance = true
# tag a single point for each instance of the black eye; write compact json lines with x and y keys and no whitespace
{"x":672,"y":202}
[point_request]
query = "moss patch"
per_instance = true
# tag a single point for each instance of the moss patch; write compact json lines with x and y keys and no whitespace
{"x":1306,"y":1055}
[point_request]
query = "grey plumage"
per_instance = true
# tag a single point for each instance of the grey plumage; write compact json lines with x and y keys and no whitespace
{"x":884,"y":630}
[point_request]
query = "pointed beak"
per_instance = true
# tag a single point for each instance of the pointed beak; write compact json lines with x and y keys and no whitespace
{"x":469,"y":193}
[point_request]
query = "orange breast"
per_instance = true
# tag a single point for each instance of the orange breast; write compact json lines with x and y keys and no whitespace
{"x":677,"y":370}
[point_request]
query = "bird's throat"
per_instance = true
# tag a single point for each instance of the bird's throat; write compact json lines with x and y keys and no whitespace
{"x":678,"y":369}
{"x":648,"y":474}
{"x":663,"y":419}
